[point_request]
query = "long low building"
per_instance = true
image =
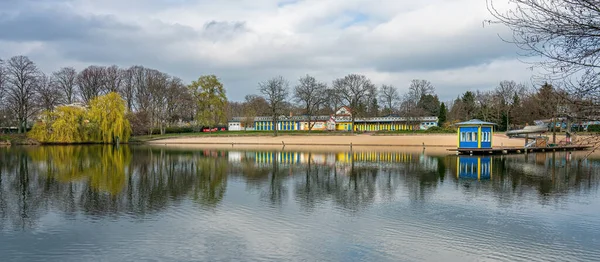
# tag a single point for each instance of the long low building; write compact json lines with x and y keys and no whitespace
{"x":340,"y":121}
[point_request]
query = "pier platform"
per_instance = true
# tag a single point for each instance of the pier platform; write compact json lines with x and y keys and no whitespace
{"x":517,"y":150}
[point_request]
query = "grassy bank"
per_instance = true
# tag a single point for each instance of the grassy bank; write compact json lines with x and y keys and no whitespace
{"x":432,"y":130}
{"x":16,"y":139}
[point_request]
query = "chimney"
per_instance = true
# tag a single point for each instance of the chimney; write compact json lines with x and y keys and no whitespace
{"x":291,"y":114}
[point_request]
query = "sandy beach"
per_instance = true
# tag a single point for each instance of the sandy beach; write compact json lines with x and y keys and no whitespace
{"x":443,"y":141}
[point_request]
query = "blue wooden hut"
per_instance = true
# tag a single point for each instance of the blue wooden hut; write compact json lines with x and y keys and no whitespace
{"x":475,"y":134}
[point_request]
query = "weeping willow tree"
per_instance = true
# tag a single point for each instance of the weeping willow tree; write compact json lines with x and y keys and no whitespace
{"x":103,"y":121}
{"x":107,"y":113}
{"x":63,"y":125}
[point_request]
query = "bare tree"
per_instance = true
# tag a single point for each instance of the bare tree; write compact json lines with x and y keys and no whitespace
{"x":564,"y":34}
{"x":113,"y":77}
{"x":371,"y":107}
{"x":275,"y":91}
{"x":410,"y":110}
{"x":48,"y":93}
{"x":91,"y":82}
{"x":176,"y":97}
{"x":486,"y":104}
{"x":332,"y":100}
{"x":253,"y":106}
{"x":128,"y":87}
{"x":65,"y":79}
{"x":410,"y":103}
{"x":158,"y":83}
{"x":310,"y":94}
{"x":143,"y":97}
{"x":2,"y":82}
{"x":22,"y":75}
{"x":506,"y":91}
{"x":389,"y":97}
{"x":353,"y":90}
{"x":419,"y":88}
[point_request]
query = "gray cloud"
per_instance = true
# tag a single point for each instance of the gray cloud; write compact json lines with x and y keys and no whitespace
{"x":223,"y":30}
{"x":54,"y":25}
{"x":243,"y":48}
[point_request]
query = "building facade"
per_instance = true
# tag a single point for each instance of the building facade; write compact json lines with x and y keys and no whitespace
{"x":340,"y":121}
{"x":475,"y":134}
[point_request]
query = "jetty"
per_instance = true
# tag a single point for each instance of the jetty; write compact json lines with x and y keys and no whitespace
{"x":475,"y":137}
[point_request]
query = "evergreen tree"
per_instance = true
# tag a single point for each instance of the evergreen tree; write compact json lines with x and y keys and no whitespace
{"x":468,"y":103}
{"x":442,"y":115}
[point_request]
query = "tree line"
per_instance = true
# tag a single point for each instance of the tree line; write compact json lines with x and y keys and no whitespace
{"x":156,"y":100}
{"x":311,"y":97}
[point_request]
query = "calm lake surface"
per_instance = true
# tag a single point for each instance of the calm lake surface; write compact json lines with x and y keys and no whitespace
{"x":99,"y":203}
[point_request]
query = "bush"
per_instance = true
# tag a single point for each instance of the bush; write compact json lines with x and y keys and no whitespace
{"x":594,"y":128}
{"x":437,"y":129}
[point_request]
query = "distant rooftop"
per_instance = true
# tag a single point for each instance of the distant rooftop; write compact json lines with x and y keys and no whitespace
{"x":474,"y":122}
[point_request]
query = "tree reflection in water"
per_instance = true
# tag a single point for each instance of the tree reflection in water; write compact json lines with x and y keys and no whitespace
{"x":137,"y":181}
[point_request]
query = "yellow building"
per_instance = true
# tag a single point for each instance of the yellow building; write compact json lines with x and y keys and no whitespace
{"x":340,"y":121}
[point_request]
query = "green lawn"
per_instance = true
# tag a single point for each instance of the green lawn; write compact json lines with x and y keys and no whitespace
{"x":432,"y":130}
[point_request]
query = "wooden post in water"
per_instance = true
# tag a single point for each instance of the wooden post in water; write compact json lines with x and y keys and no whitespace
{"x":553,"y":130}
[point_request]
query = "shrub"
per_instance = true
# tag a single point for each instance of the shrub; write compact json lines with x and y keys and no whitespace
{"x":594,"y":128}
{"x":437,"y":129}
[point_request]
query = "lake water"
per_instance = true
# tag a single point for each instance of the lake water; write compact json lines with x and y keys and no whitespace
{"x":100,"y":203}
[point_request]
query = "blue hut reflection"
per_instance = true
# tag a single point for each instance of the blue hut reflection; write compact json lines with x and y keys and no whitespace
{"x":474,"y":167}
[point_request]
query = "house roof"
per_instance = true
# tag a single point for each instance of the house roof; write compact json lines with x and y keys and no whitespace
{"x":474,"y":122}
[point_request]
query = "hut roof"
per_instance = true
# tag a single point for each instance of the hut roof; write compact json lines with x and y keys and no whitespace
{"x":474,"y":122}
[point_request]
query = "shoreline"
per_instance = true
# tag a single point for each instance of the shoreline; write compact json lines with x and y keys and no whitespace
{"x":448,"y":141}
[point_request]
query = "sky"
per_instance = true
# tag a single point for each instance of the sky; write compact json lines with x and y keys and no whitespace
{"x":244,"y":42}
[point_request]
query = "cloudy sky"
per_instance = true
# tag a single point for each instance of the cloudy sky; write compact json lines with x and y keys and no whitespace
{"x":247,"y":41}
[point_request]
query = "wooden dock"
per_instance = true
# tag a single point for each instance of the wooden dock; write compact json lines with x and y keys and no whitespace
{"x":517,"y":150}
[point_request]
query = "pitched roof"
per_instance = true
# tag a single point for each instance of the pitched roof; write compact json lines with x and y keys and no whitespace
{"x":474,"y":122}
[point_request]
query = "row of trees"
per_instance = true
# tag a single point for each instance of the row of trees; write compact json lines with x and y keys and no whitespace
{"x":509,"y":105}
{"x":311,"y":97}
{"x":153,"y":99}
{"x":512,"y":104}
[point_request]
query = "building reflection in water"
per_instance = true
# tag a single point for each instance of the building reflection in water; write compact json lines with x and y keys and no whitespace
{"x":282,"y":157}
{"x":474,"y":167}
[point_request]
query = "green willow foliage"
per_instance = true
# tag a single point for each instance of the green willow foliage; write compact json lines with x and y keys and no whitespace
{"x":103,"y":121}
{"x":211,"y":100}
{"x":103,"y":167}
